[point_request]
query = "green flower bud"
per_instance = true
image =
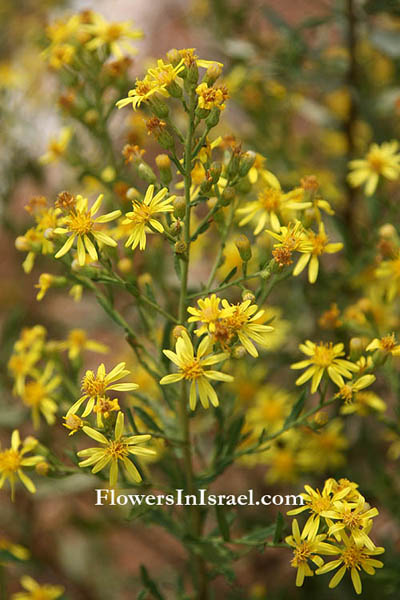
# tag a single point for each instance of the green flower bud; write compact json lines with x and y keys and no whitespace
{"x":158,"y":107}
{"x":247,"y":160}
{"x":213,"y":118}
{"x":243,"y":245}
{"x":179,"y":205}
{"x":146,"y":173}
{"x":164,"y":165}
{"x":227,"y":196}
{"x":215,"y":171}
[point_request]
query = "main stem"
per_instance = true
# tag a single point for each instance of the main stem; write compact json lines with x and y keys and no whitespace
{"x":195,"y":517}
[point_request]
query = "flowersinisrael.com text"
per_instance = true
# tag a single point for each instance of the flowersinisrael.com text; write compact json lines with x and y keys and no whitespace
{"x":202,"y":498}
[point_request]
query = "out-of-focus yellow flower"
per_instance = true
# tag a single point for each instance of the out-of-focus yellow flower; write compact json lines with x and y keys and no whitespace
{"x":13,"y":461}
{"x":26,"y":353}
{"x":16,"y":550}
{"x":77,"y":341}
{"x":38,"y":394}
{"x":80,"y":224}
{"x":95,"y":386}
{"x":323,"y":358}
{"x":383,"y":160}
{"x":35,"y":591}
{"x":194,"y":368}
{"x":363,"y":404}
{"x":143,"y":215}
{"x":57,"y":146}
{"x":327,"y":444}
{"x":61,"y":55}
{"x":115,"y":35}
{"x":115,"y":451}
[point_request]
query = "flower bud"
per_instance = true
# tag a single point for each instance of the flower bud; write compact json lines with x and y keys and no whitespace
{"x":132,"y":194}
{"x":247,"y":160}
{"x":243,"y":245}
{"x":213,"y":118}
{"x":206,"y":185}
{"x":192,"y":76}
{"x":173,"y":57}
{"x":91,"y":116}
{"x":243,"y":186}
{"x":180,"y":247}
{"x":215,"y":171}
{"x":227,"y":196}
{"x":146,"y":172}
{"x":177,"y":331}
{"x":164,"y":165}
{"x":356,"y":348}
{"x":158,"y":107}
{"x":248,"y":295}
{"x":174,"y":90}
{"x":213,"y":72}
{"x":176,"y":228}
{"x":42,"y":468}
{"x":179,"y":205}
{"x":125,"y":265}
{"x":233,"y":166}
{"x":21,"y":244}
{"x":239,"y":352}
{"x":387,"y":231}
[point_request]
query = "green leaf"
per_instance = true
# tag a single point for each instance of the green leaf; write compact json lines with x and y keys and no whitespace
{"x":257,"y":536}
{"x":233,"y":434}
{"x":223,"y":523}
{"x":296,"y":409}
{"x":150,"y":584}
{"x":6,"y":556}
{"x":280,"y":523}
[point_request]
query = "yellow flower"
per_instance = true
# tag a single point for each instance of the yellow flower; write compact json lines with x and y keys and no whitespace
{"x":208,"y":313}
{"x":318,"y":504}
{"x":13,"y":461}
{"x":77,"y":341}
{"x":328,"y":444}
{"x":269,"y":409}
{"x":38,"y":394}
{"x":315,"y":244}
{"x":34,"y":591}
{"x":242,"y":320}
{"x":269,"y":204}
{"x":143,"y":91}
{"x":80,"y":224}
{"x":210,"y":97}
{"x":364,"y":403}
{"x":115,"y":35}
{"x":61,"y":55}
{"x":193,"y":368}
{"x":355,"y":517}
{"x":95,"y":386}
{"x":73,"y":423}
{"x":57,"y":146}
{"x":164,"y":73}
{"x":306,"y":548}
{"x":389,"y":271}
{"x":387,"y":344}
{"x":142,"y":216}
{"x":45,"y":282}
{"x":383,"y":160}
{"x":354,"y":559}
{"x":115,"y":451}
{"x":189,"y":57}
{"x":350,"y":389}
{"x":103,"y":408}
{"x":323,"y":358}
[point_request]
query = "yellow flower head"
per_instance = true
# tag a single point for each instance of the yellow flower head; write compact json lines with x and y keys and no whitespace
{"x":315,"y":244}
{"x":208,"y":313}
{"x":241,"y":321}
{"x":143,"y":91}
{"x":307,"y":548}
{"x":57,"y":146}
{"x":388,"y":344}
{"x":211,"y":97}
{"x":77,"y":341}
{"x":115,"y":451}
{"x":383,"y":160}
{"x":143,"y":215}
{"x":13,"y":461}
{"x":34,"y":591}
{"x":73,"y":423}
{"x":95,"y":385}
{"x":38,"y":394}
{"x":193,"y":367}
{"x":115,"y":35}
{"x":352,"y":558}
{"x":80,"y":224}
{"x":323,"y":358}
{"x":350,"y":389}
